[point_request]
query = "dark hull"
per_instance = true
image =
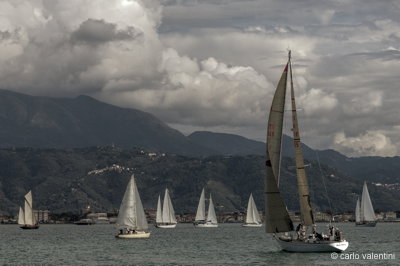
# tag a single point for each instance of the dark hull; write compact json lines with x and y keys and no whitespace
{"x":29,"y":226}
{"x":366,"y":224}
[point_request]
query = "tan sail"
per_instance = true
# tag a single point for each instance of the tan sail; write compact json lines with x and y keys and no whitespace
{"x":307,"y":217}
{"x":277,"y":218}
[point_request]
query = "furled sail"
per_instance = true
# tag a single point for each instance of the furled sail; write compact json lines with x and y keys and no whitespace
{"x":307,"y":217}
{"x":367,"y":211}
{"x":277,"y":218}
{"x":159,"y":214}
{"x":252,"y":216}
{"x":168,"y":213}
{"x":358,"y":211}
{"x":131,"y":213}
{"x":211,"y":216}
{"x":201,"y":209}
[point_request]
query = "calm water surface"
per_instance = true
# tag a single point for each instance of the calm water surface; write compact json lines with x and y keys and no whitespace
{"x":229,"y":244}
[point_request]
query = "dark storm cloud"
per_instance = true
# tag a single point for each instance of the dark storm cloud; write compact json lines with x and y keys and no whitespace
{"x":94,"y":31}
{"x":4,"y":35}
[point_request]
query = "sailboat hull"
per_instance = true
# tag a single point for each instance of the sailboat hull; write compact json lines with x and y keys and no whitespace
{"x":366,"y":224}
{"x":135,"y":235}
{"x":165,"y":225}
{"x":251,"y":225}
{"x":318,"y":246}
{"x":30,"y":226}
{"x":210,"y":225}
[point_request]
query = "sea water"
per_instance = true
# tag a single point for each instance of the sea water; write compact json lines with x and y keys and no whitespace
{"x":229,"y":244}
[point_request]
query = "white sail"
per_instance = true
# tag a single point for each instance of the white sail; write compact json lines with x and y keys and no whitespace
{"x":358,"y":211}
{"x":28,"y":210}
{"x":201,"y":209}
{"x":131,"y":214}
{"x":159,"y":214}
{"x":211,"y":216}
{"x":168,"y":213}
{"x":252,"y":217}
{"x":367,"y":211}
{"x":21,"y":216}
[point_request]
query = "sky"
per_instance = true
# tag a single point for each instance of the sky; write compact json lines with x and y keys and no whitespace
{"x":213,"y":65}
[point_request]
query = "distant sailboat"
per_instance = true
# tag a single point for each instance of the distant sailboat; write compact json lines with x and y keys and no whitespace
{"x":131,"y":220}
{"x":252,"y":216}
{"x":277,"y":218}
{"x":165,"y":218}
{"x":365,"y":215}
{"x":26,"y":216}
{"x":200,"y":220}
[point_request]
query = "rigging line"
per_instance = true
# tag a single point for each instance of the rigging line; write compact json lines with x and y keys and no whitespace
{"x":326,"y":190}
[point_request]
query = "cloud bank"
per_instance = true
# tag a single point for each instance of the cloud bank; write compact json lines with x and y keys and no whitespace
{"x":213,"y":65}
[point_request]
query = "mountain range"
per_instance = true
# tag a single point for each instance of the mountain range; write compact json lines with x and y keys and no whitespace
{"x":66,"y":180}
{"x":46,"y":147}
{"x":44,"y":122}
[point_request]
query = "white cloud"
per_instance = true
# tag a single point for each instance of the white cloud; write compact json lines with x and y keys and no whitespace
{"x":316,"y":101}
{"x":204,"y":93}
{"x":364,"y":103}
{"x":370,"y":143}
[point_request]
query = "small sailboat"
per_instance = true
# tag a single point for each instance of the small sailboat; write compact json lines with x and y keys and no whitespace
{"x":165,"y":218}
{"x":365,"y":215}
{"x":131,"y":220}
{"x":277,"y":219}
{"x":200,"y":220}
{"x":26,"y":216}
{"x":252,"y":216}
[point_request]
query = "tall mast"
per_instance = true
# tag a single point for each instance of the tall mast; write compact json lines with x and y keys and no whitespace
{"x":307,"y":217}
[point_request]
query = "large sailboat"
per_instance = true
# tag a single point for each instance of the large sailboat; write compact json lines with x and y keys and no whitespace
{"x":131,"y":220}
{"x":200,"y":220}
{"x":277,"y":219}
{"x":365,"y":215}
{"x":26,"y":216}
{"x":252,"y":216}
{"x":165,"y":217}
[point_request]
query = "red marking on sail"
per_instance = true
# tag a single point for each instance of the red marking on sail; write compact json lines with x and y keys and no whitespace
{"x":285,"y":70}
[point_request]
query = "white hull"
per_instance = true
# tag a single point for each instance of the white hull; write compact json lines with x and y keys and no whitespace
{"x":318,"y":246}
{"x":366,"y":224}
{"x":206,"y":225}
{"x":251,"y":225}
{"x":165,"y":225}
{"x":135,"y":235}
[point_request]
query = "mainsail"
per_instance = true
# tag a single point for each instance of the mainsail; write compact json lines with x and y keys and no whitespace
{"x":168,"y":213}
{"x":211,"y":216}
{"x":21,"y":217}
{"x":358,"y":211}
{"x":131,"y":213}
{"x":277,"y":218}
{"x":201,"y":209}
{"x":29,"y":216}
{"x":307,"y":217}
{"x":252,"y":216}
{"x":367,"y":211}
{"x":159,"y":211}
